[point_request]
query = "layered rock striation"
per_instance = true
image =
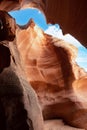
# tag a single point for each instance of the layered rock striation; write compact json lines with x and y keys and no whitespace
{"x":49,"y":64}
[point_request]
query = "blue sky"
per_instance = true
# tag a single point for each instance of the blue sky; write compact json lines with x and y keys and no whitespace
{"x":23,"y":16}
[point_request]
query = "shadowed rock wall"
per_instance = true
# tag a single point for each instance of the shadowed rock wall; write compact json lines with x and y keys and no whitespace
{"x":19,"y":107}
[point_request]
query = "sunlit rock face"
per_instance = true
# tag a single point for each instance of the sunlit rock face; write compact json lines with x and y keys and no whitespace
{"x":78,"y":71}
{"x":49,"y":66}
{"x":80,"y":88}
{"x":46,"y":60}
{"x":18,"y":101}
{"x":70,"y":15}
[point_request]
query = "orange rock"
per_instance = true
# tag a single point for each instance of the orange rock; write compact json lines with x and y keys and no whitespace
{"x":49,"y":64}
{"x":80,"y":88}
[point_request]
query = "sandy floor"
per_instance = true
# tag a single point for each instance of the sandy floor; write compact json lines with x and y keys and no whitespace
{"x":58,"y":125}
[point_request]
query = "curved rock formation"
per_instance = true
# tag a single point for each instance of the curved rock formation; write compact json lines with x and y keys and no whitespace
{"x":19,"y":107}
{"x":45,"y":56}
{"x":48,"y":63}
{"x":70,"y":15}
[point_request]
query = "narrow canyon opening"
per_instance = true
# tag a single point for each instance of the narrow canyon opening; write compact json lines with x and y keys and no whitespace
{"x":47,"y":56}
{"x":23,"y":16}
{"x":44,"y":81}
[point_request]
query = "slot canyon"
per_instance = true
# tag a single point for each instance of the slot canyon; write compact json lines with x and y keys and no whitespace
{"x":41,"y":85}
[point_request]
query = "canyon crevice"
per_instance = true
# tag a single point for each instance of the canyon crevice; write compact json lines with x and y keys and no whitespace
{"x":50,"y":67}
{"x":40,"y":80}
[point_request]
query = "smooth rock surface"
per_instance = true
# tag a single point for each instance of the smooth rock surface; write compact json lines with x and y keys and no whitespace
{"x":49,"y":64}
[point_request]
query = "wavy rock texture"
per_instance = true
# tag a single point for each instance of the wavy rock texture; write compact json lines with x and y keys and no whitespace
{"x":70,"y":15}
{"x":49,"y":65}
{"x":19,"y":107}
